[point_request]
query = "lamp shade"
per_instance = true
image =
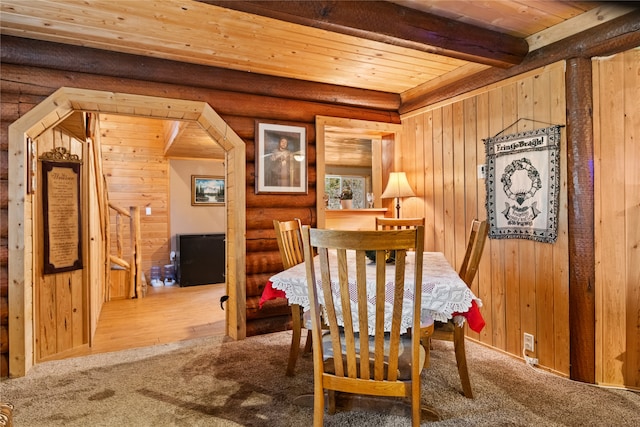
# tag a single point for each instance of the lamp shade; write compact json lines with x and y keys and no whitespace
{"x":398,"y":186}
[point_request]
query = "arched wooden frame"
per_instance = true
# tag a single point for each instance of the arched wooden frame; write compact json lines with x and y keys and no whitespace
{"x":53,"y":110}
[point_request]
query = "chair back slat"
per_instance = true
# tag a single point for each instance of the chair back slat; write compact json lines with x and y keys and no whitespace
{"x":347,"y":294}
{"x":289,"y":242}
{"x":397,"y":223}
{"x":473,"y":253}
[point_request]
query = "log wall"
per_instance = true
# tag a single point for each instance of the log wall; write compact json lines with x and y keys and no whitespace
{"x":273,"y":100}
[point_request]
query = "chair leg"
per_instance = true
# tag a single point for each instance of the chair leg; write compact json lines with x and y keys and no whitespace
{"x":426,"y":344}
{"x":308,"y":344}
{"x":295,"y":339}
{"x":461,"y":360}
{"x":331,"y":397}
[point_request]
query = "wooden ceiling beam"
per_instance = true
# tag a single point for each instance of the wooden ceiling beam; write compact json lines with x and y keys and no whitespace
{"x":396,"y":25}
{"x":612,"y":37}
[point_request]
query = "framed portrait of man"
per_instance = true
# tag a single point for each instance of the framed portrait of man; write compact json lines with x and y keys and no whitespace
{"x":281,"y":158}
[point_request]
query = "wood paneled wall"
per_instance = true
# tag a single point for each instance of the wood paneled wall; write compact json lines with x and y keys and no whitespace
{"x":523,"y":284}
{"x":137,"y":174}
{"x":61,"y":299}
{"x":616,"y":83}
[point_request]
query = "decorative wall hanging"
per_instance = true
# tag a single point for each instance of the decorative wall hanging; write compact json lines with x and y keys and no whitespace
{"x":281,"y":159}
{"x":523,"y":184}
{"x":61,"y":211}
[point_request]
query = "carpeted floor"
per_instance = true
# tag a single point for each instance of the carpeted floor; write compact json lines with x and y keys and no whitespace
{"x":219,"y":382}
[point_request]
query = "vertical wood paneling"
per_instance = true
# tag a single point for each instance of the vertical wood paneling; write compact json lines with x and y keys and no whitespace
{"x":617,"y":215}
{"x":544,"y":252}
{"x":60,"y":298}
{"x":527,"y":262}
{"x":438,"y":180}
{"x":517,"y":281}
{"x":510,"y":247}
{"x":448,"y":213}
{"x":632,"y":209}
{"x":485,"y":271}
{"x":418,"y":172}
{"x":138,"y":175}
{"x":429,"y":176}
{"x":471,"y":182}
{"x":560,"y":257}
{"x":459,"y":197}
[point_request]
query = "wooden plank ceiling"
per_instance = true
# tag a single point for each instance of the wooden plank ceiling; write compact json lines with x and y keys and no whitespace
{"x":406,"y":47}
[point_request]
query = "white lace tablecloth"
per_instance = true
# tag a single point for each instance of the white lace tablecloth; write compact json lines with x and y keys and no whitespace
{"x":443,"y":291}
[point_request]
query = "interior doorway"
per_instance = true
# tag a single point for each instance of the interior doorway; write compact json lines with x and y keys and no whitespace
{"x":55,"y":109}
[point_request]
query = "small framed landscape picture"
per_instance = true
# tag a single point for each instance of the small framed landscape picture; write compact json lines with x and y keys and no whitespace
{"x":281,"y":158}
{"x":207,"y":190}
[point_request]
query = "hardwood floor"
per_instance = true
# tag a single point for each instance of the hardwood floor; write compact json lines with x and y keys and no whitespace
{"x":164,"y":315}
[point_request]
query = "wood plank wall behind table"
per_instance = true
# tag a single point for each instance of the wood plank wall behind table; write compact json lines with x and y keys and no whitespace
{"x":617,"y":218}
{"x":523,"y":284}
{"x":137,"y":174}
{"x":32,"y":70}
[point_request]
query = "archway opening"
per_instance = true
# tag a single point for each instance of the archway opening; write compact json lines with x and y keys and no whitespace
{"x":53,"y":110}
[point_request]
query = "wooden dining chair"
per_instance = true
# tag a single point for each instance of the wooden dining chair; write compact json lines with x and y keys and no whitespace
{"x":450,"y":331}
{"x":397,"y":223}
{"x":288,"y":234}
{"x":347,"y":359}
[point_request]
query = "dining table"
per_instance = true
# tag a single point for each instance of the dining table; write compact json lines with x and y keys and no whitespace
{"x":444,"y":296}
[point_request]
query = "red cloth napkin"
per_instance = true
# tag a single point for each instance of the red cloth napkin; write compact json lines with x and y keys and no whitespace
{"x":269,"y":293}
{"x":474,"y":317}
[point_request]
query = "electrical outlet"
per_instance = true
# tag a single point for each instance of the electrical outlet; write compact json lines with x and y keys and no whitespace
{"x":481,"y":171}
{"x":529,"y":342}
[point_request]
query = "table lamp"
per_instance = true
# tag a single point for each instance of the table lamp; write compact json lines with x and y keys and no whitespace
{"x":397,"y":187}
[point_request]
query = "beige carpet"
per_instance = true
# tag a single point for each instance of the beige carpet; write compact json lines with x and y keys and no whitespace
{"x":219,"y":382}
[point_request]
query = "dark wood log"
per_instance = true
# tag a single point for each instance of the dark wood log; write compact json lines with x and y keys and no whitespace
{"x":280,"y":200}
{"x":9,"y":110}
{"x":4,"y":279}
{"x":4,"y":190}
{"x":4,"y":169}
{"x":245,"y":128}
{"x":261,"y":245}
{"x":277,"y":307}
{"x":269,"y":325}
{"x":263,"y":262}
{"x":251,"y":174}
{"x":24,"y":88}
{"x":394,"y":24}
{"x":4,"y":339}
{"x":256,"y":283}
{"x":4,"y":134}
{"x":4,"y":216}
{"x":612,"y":37}
{"x":78,"y":59}
{"x":262,"y":218}
{"x":233,"y":103}
{"x":580,"y":196}
{"x":4,"y":310}
{"x":4,"y":365}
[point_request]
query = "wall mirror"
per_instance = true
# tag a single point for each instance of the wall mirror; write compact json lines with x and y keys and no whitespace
{"x":352,"y":151}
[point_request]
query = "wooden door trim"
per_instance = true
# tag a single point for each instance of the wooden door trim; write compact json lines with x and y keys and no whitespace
{"x":55,"y":109}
